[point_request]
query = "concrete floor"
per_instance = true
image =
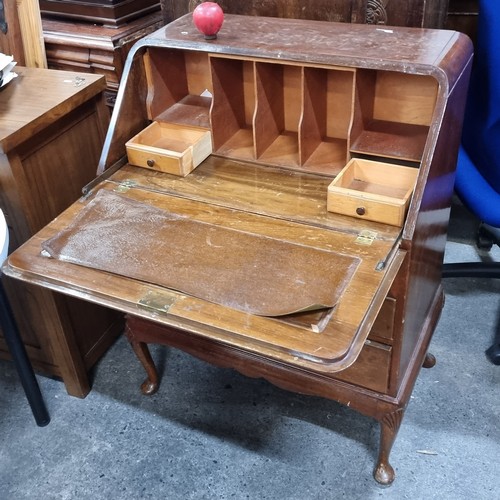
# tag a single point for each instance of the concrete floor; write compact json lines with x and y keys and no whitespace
{"x":211,"y":433}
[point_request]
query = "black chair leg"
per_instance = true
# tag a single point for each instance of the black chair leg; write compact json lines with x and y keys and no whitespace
{"x":493,"y":352}
{"x":486,"y":238}
{"x":22,"y":362}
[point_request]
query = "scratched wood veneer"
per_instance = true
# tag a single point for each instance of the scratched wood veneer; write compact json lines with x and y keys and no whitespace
{"x":288,"y":104}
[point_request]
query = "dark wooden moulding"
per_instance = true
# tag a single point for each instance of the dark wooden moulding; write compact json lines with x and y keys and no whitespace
{"x":107,"y":12}
{"x":415,"y":13}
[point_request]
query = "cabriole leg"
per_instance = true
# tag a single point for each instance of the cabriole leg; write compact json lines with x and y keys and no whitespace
{"x":429,"y":360}
{"x":150,"y":385}
{"x":389,"y":426}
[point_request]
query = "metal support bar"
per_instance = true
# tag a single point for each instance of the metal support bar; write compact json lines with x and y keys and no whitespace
{"x":21,"y":361}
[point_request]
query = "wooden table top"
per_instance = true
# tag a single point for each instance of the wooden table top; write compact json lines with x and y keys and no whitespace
{"x":38,"y":97}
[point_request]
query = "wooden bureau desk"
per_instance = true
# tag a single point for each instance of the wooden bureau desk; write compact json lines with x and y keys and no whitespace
{"x":242,"y":239}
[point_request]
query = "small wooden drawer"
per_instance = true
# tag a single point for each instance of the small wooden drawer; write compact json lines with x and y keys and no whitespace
{"x":175,"y":149}
{"x":372,"y":190}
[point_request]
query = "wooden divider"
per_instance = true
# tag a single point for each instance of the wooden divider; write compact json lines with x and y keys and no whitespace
{"x":293,"y":115}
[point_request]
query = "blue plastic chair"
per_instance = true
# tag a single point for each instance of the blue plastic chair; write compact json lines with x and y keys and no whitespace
{"x":478,"y":169}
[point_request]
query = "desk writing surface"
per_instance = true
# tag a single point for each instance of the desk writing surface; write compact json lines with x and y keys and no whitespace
{"x":334,"y":348}
{"x":253,"y":273}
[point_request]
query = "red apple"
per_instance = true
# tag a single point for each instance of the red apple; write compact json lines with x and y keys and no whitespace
{"x":208,"y":18}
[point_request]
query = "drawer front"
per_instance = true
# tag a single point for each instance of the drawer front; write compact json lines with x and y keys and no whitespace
{"x":169,"y":148}
{"x":372,"y":190}
{"x":383,"y":327}
{"x":371,"y":369}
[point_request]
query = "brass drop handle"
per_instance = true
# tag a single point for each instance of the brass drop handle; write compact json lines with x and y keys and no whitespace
{"x":361,"y":210}
{"x":150,"y":163}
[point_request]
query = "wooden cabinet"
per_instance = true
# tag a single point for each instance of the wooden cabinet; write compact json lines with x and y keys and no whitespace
{"x":418,"y":13}
{"x":91,"y":48}
{"x":242,"y":261}
{"x":52,"y":127}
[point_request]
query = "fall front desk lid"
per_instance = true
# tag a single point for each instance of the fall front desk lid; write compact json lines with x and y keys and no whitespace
{"x":249,"y":272}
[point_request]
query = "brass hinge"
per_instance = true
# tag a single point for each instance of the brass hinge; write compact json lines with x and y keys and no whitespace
{"x":157,"y":301}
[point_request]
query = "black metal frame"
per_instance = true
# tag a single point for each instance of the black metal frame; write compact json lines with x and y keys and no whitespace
{"x":21,"y":361}
{"x":486,"y":237}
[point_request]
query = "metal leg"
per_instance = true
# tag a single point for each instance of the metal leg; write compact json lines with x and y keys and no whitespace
{"x":493,"y":352}
{"x":21,"y":361}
